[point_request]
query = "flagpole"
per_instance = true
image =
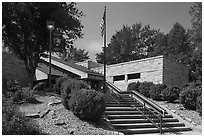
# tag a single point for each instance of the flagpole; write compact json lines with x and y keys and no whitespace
{"x":105,"y":54}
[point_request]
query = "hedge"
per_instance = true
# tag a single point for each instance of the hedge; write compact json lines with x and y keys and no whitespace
{"x":87,"y":104}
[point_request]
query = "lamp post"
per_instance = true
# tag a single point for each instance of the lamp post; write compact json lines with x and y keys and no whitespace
{"x":50,"y":26}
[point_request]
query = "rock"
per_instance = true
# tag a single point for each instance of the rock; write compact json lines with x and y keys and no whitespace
{"x":194,"y":123}
{"x":181,"y":115}
{"x":40,"y":86}
{"x":188,"y":119}
{"x":71,"y":133}
{"x":56,"y":102}
{"x":181,"y":108}
{"x":32,"y":115}
{"x":173,"y":110}
{"x":45,"y":112}
{"x":59,"y":122}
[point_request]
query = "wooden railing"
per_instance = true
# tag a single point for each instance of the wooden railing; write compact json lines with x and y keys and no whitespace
{"x":153,"y":112}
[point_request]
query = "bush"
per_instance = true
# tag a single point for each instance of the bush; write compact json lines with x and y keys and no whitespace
{"x":133,"y":86}
{"x":9,"y":87}
{"x":156,"y":90}
{"x":188,"y":98}
{"x":171,"y":93}
{"x":199,"y":103}
{"x":144,"y":88}
{"x":14,"y":122}
{"x":87,"y":104}
{"x":68,"y":86}
{"x":58,"y":84}
{"x":25,"y":95}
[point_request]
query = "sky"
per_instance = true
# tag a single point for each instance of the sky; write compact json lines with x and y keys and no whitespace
{"x":159,"y":15}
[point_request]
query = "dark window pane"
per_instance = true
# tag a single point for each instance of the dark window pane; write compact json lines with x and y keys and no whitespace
{"x":134,"y":76}
{"x":118,"y":78}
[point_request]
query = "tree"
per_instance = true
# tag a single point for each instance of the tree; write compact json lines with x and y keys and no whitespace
{"x":129,"y":43}
{"x":195,"y":62}
{"x":25,"y":32}
{"x":174,"y":44}
{"x":160,"y":45}
{"x":177,"y":40}
{"x":196,"y":31}
{"x":75,"y":54}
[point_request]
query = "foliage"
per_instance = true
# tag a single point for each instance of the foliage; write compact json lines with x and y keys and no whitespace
{"x":171,"y":93}
{"x":129,"y":43}
{"x":196,"y":31}
{"x":68,"y":86}
{"x":156,"y":90}
{"x":14,"y":122}
{"x":195,"y":61}
{"x":58,"y":84}
{"x":160,"y":45}
{"x":25,"y":95}
{"x":10,"y":87}
{"x":199,"y":104}
{"x":188,"y":97}
{"x":25,"y":32}
{"x":144,"y":88}
{"x":87,"y":104}
{"x":133,"y":86}
{"x":75,"y":54}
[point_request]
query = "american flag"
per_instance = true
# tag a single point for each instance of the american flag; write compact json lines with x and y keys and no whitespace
{"x":103,"y":23}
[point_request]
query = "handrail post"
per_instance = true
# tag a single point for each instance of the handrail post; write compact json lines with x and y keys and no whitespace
{"x":160,"y":124}
{"x":131,"y":99}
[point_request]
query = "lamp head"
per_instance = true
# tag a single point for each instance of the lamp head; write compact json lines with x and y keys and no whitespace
{"x":50,"y":25}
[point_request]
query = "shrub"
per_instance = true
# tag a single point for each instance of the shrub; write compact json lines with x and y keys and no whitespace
{"x":68,"y":86}
{"x":199,"y":104}
{"x":133,"y":86}
{"x":188,"y":98}
{"x":58,"y":84}
{"x":13,"y":85}
{"x":14,"y":122}
{"x":144,"y":88}
{"x":9,"y":87}
{"x":156,"y":90}
{"x":171,"y":93}
{"x":25,"y":95}
{"x":87,"y":104}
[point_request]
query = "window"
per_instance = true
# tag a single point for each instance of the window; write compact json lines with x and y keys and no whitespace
{"x":119,"y":77}
{"x":134,"y":76}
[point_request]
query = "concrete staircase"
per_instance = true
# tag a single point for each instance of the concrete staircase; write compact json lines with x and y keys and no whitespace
{"x":126,"y":119}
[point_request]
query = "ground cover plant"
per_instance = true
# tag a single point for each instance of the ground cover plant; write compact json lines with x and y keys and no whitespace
{"x":13,"y":121}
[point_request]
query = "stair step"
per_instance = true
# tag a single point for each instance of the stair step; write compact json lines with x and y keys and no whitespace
{"x":138,"y":116}
{"x":108,"y":112}
{"x":116,"y":104}
{"x":146,"y":125}
{"x":121,"y":102}
{"x":126,"y":121}
{"x":153,"y":130}
{"x":130,"y":116}
{"x":121,"y":108}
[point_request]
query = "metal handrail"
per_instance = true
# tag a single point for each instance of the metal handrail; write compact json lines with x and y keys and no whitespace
{"x":144,"y":101}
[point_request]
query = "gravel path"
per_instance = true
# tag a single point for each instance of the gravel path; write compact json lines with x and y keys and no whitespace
{"x":54,"y":119}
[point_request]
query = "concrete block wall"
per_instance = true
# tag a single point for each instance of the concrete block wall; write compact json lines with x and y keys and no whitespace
{"x":150,"y":69}
{"x":175,"y":73}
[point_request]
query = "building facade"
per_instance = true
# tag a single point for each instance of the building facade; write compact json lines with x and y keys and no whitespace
{"x":159,"y":70}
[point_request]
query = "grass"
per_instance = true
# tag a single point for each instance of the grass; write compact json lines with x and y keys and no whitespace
{"x":13,"y":68}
